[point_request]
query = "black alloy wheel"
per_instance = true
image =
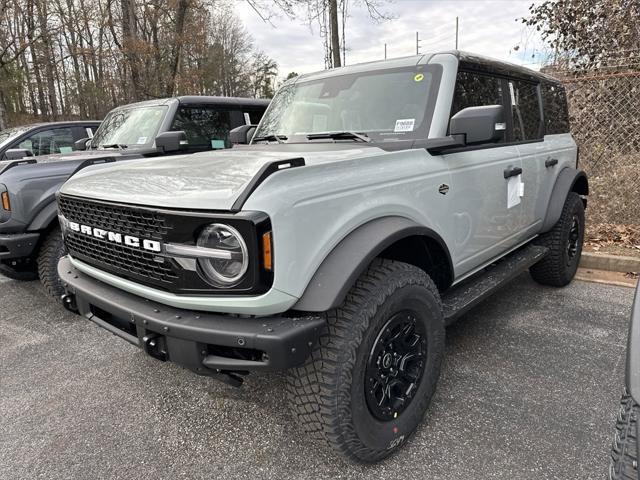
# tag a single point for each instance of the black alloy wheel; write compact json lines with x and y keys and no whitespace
{"x":396,"y":366}
{"x":573,"y":242}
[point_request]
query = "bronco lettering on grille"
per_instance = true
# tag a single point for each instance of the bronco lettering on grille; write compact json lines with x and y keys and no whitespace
{"x":128,"y":240}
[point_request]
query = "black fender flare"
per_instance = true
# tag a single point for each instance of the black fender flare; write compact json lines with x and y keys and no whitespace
{"x":569,"y":180}
{"x":632,"y":377}
{"x":348,"y":260}
{"x":48,"y":214}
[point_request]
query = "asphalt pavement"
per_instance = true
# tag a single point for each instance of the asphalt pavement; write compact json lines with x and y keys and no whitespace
{"x":529,"y":389}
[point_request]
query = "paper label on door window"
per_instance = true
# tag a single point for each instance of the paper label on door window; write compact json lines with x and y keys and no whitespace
{"x":513,"y":191}
{"x":142,"y":140}
{"x":405,"y":125}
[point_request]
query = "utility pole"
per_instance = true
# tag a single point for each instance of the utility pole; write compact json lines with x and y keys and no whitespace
{"x":456,"y":33}
{"x":417,"y":44}
{"x":385,"y":51}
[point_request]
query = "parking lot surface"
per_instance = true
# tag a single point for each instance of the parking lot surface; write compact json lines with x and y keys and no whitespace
{"x":529,"y":389}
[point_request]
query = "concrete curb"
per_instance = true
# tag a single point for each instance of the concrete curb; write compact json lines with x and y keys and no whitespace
{"x":611,"y":263}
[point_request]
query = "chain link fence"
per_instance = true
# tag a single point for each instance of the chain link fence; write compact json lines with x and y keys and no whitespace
{"x":604,"y":107}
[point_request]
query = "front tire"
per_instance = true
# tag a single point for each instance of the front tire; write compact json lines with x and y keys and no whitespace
{"x":367,"y":384}
{"x":624,"y":453}
{"x":51,"y":251}
{"x":564,"y":242}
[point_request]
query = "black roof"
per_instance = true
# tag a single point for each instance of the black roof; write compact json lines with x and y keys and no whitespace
{"x":471,"y":61}
{"x":201,"y":100}
{"x":248,"y":102}
{"x":467,"y":61}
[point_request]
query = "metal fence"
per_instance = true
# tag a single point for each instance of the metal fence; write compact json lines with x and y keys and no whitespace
{"x":604,"y":107}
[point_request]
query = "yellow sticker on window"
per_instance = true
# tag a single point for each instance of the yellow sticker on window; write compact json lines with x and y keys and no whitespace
{"x":419,"y":77}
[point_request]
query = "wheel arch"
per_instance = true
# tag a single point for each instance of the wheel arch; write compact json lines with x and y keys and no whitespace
{"x":394,"y":238}
{"x":569,"y":180}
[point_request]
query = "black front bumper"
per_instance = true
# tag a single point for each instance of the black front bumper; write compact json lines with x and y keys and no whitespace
{"x":18,"y":245}
{"x":207,"y":343}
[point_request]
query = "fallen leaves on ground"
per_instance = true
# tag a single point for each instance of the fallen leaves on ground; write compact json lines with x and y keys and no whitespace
{"x":602,"y":235}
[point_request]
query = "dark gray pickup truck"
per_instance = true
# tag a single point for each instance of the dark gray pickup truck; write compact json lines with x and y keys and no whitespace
{"x":30,"y":240}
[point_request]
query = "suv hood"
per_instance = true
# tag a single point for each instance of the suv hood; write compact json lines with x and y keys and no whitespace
{"x":201,"y":181}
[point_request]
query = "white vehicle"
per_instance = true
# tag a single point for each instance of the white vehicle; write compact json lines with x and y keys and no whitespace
{"x":374,"y":205}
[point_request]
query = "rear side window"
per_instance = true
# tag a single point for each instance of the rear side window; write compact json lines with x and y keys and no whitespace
{"x":48,"y":142}
{"x":525,"y":107}
{"x":556,"y":113}
{"x":476,"y":90}
{"x":204,"y":127}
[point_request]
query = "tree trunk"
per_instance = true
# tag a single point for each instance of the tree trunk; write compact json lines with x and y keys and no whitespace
{"x":48,"y":58}
{"x":3,"y":113}
{"x":129,"y":40}
{"x":335,"y":37}
{"x":182,"y":8}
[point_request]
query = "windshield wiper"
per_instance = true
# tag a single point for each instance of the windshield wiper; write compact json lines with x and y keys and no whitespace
{"x":271,"y":137}
{"x":122,"y":146}
{"x":363,"y":137}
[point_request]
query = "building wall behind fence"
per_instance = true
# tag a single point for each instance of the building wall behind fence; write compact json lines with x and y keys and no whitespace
{"x":605,"y":122}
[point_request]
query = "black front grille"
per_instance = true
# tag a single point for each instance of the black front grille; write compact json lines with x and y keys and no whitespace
{"x":130,"y":262}
{"x":116,"y":218}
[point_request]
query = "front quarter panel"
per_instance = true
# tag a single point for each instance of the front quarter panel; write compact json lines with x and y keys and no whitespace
{"x":312,"y":208}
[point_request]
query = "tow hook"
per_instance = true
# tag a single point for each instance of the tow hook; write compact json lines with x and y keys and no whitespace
{"x":69,"y":302}
{"x":154,"y":345}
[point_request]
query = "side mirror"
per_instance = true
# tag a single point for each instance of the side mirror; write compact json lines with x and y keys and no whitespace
{"x":81,"y":144}
{"x":171,"y":141}
{"x":479,"y":124}
{"x":17,"y":153}
{"x":242,"y":135}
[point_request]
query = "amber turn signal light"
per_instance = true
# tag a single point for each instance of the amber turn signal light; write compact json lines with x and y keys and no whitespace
{"x":6,"y":204}
{"x":267,"y":256}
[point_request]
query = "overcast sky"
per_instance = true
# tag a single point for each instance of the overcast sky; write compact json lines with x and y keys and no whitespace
{"x":487,"y":27}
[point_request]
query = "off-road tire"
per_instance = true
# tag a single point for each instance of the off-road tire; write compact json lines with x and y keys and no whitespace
{"x":51,"y":251}
{"x":328,"y":403}
{"x":557,"y":269}
{"x":624,"y":453}
{"x":24,"y":274}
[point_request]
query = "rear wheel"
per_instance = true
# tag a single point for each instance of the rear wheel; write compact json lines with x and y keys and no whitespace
{"x":367,"y":384}
{"x":564,"y":242}
{"x":51,"y":251}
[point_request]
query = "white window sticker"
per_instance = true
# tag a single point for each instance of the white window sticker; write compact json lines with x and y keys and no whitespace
{"x":142,"y":140}
{"x":515,"y":191}
{"x":405,"y":125}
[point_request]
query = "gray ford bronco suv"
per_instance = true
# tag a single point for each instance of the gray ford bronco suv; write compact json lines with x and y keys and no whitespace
{"x":375,"y":204}
{"x":30,"y":240}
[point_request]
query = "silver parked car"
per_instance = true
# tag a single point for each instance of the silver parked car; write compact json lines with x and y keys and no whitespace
{"x":375,"y":204}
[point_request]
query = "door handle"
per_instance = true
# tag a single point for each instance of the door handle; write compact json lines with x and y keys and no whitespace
{"x":512,"y":172}
{"x":550,"y":162}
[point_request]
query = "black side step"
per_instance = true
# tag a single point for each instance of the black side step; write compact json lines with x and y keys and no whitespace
{"x":459,"y":299}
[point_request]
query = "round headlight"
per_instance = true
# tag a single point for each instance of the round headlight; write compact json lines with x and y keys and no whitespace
{"x":227,"y":271}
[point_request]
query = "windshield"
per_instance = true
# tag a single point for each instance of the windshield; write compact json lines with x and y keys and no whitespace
{"x":131,"y":127}
{"x":10,"y":134}
{"x":386,"y":105}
